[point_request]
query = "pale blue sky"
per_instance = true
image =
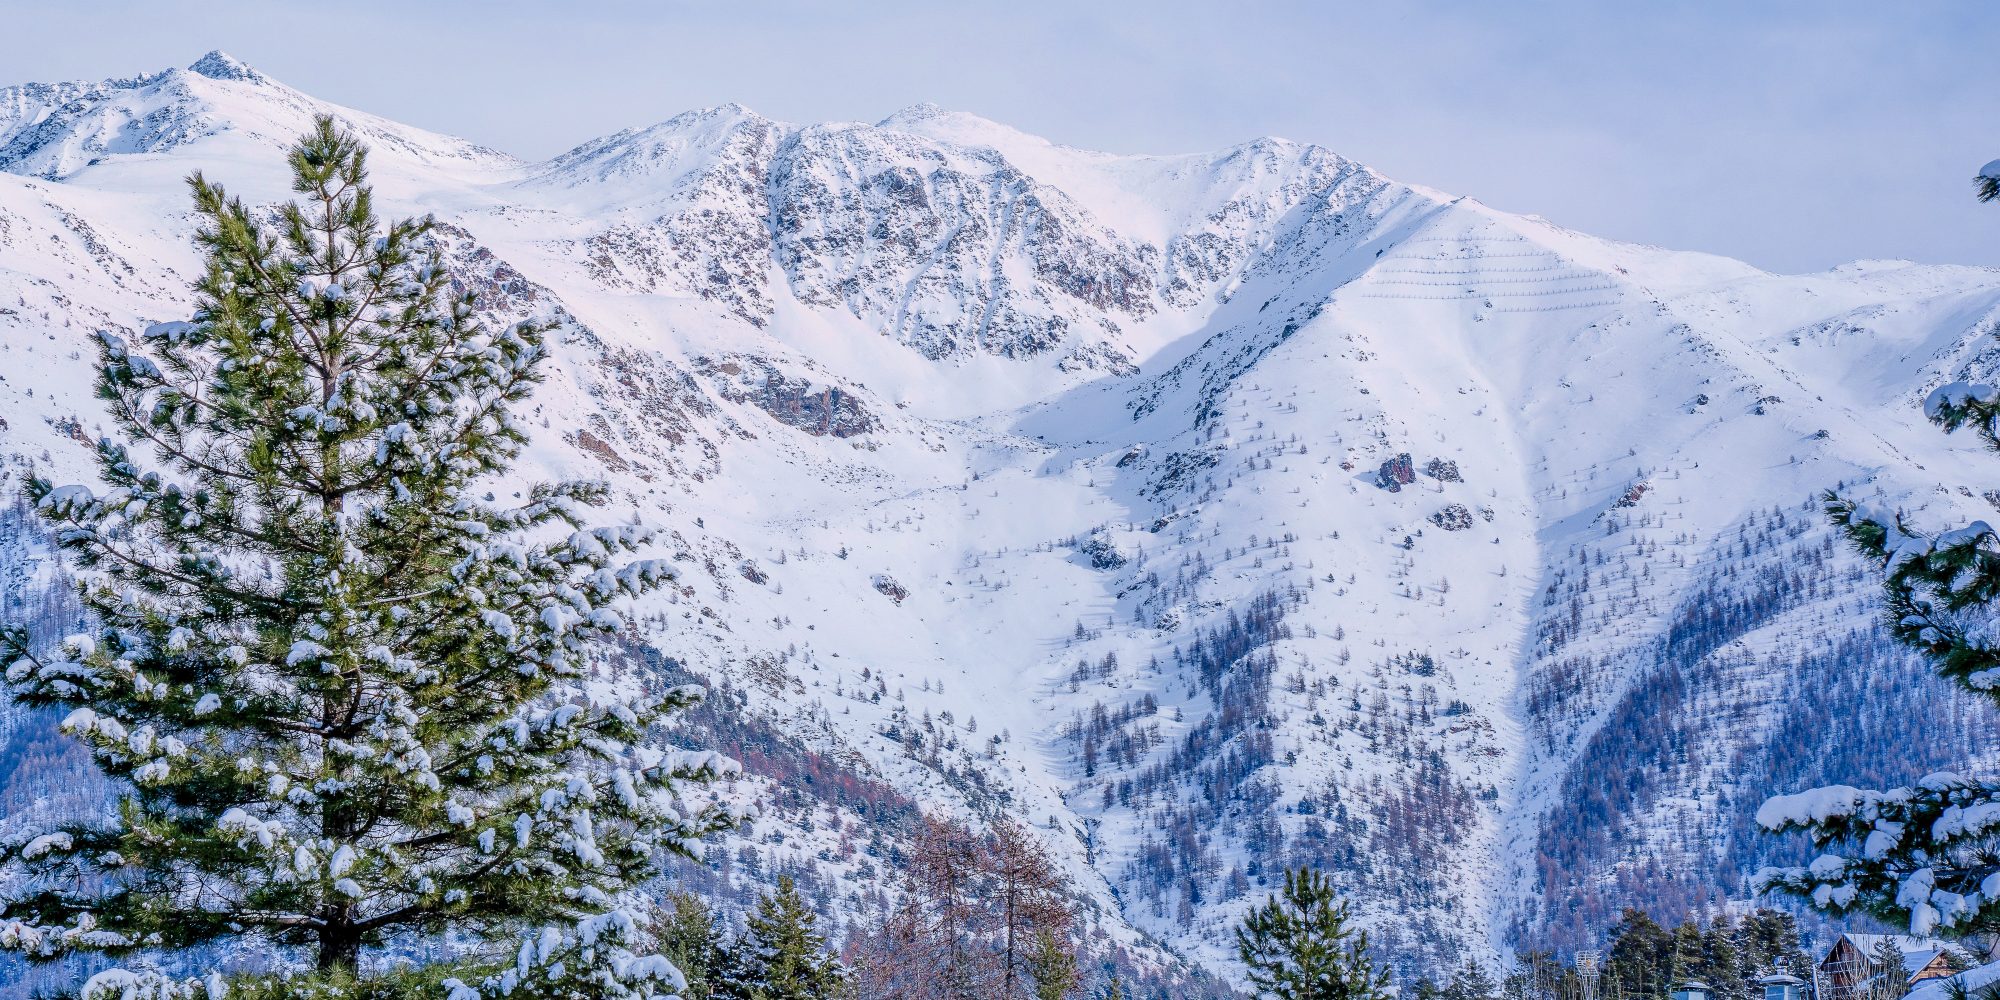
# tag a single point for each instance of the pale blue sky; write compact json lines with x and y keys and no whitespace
{"x":1793,"y":136}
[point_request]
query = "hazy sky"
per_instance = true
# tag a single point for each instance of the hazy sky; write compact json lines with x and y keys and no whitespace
{"x":1792,"y":136}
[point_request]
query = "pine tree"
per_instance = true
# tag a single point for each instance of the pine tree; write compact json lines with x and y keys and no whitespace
{"x":1770,"y":943}
{"x":1538,"y":976}
{"x":1051,"y":967}
{"x":1297,"y":946}
{"x":1920,"y":854}
{"x":1641,"y":958}
{"x":1470,"y":982}
{"x":1888,"y":977}
{"x":1717,"y":958}
{"x":781,"y":956}
{"x":345,"y":697}
{"x":689,"y":938}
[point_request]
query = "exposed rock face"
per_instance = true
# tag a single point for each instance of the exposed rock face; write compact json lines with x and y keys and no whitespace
{"x":1176,"y":471}
{"x":1275,"y":176}
{"x":705,"y":232}
{"x":657,"y":409}
{"x":924,"y":229}
{"x":53,"y":133}
{"x":1443,"y":470}
{"x":796,"y":402}
{"x":948,"y":250}
{"x":1101,"y":550}
{"x":888,"y":587}
{"x":1453,"y":517}
{"x":499,"y":288}
{"x":54,"y":130}
{"x":1397,"y":473}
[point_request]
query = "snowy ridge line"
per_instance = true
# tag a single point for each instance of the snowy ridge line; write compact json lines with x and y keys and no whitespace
{"x":1556,"y":306}
{"x":1488,"y":270}
{"x":1531,"y":282}
{"x":1485,"y":294}
{"x":948,"y":459}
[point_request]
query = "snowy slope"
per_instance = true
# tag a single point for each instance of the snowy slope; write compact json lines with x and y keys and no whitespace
{"x":1015,"y":477}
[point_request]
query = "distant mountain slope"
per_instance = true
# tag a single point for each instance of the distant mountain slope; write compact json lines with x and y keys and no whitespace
{"x":1213,"y":513}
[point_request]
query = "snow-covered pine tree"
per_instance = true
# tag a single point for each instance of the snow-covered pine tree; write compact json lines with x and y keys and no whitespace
{"x":1471,"y":981}
{"x":1922,"y":854}
{"x":1888,"y":976}
{"x":781,"y":955}
{"x":346,"y":699}
{"x":688,"y":935}
{"x":1298,"y":946}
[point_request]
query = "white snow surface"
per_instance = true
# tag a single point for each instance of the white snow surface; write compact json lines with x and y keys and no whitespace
{"x":1202,"y":358}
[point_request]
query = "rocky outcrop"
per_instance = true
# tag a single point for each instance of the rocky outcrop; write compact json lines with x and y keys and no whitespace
{"x":1633,"y":494}
{"x":930,"y":243}
{"x":693,"y":190}
{"x":1397,"y":473}
{"x":798,"y":403}
{"x":889,"y":588}
{"x":1453,"y":517}
{"x":1099,"y":548}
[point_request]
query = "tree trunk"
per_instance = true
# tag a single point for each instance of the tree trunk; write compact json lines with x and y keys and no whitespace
{"x":339,"y":948}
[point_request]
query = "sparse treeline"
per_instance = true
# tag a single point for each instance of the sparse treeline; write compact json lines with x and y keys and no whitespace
{"x":1921,"y":854}
{"x":348,"y":714}
{"x":980,"y":917}
{"x":977,"y":916}
{"x":346,"y":706}
{"x":1642,"y":958}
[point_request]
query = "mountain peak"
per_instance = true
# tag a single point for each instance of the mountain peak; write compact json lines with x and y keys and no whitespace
{"x":920,"y":111}
{"x":969,"y":131}
{"x":926,"y":118}
{"x":220,"y":65}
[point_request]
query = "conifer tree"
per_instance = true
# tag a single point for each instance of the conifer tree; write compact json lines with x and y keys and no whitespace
{"x":1298,"y":946}
{"x":1641,"y":956}
{"x":1715,"y":958}
{"x":1770,"y":943}
{"x":1470,"y":982}
{"x":1888,"y":977}
{"x":688,"y":937}
{"x":344,"y":696}
{"x":1920,"y":854}
{"x":1051,"y":967}
{"x":781,"y":955}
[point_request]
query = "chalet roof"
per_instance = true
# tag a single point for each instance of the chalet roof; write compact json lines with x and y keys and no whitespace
{"x":1917,"y":952}
{"x":1973,"y":980}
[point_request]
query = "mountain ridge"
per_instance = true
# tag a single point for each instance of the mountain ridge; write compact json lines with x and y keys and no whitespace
{"x":1396,"y":509}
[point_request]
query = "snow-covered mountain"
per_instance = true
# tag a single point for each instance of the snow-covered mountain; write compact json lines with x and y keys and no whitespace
{"x":1212,"y":512}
